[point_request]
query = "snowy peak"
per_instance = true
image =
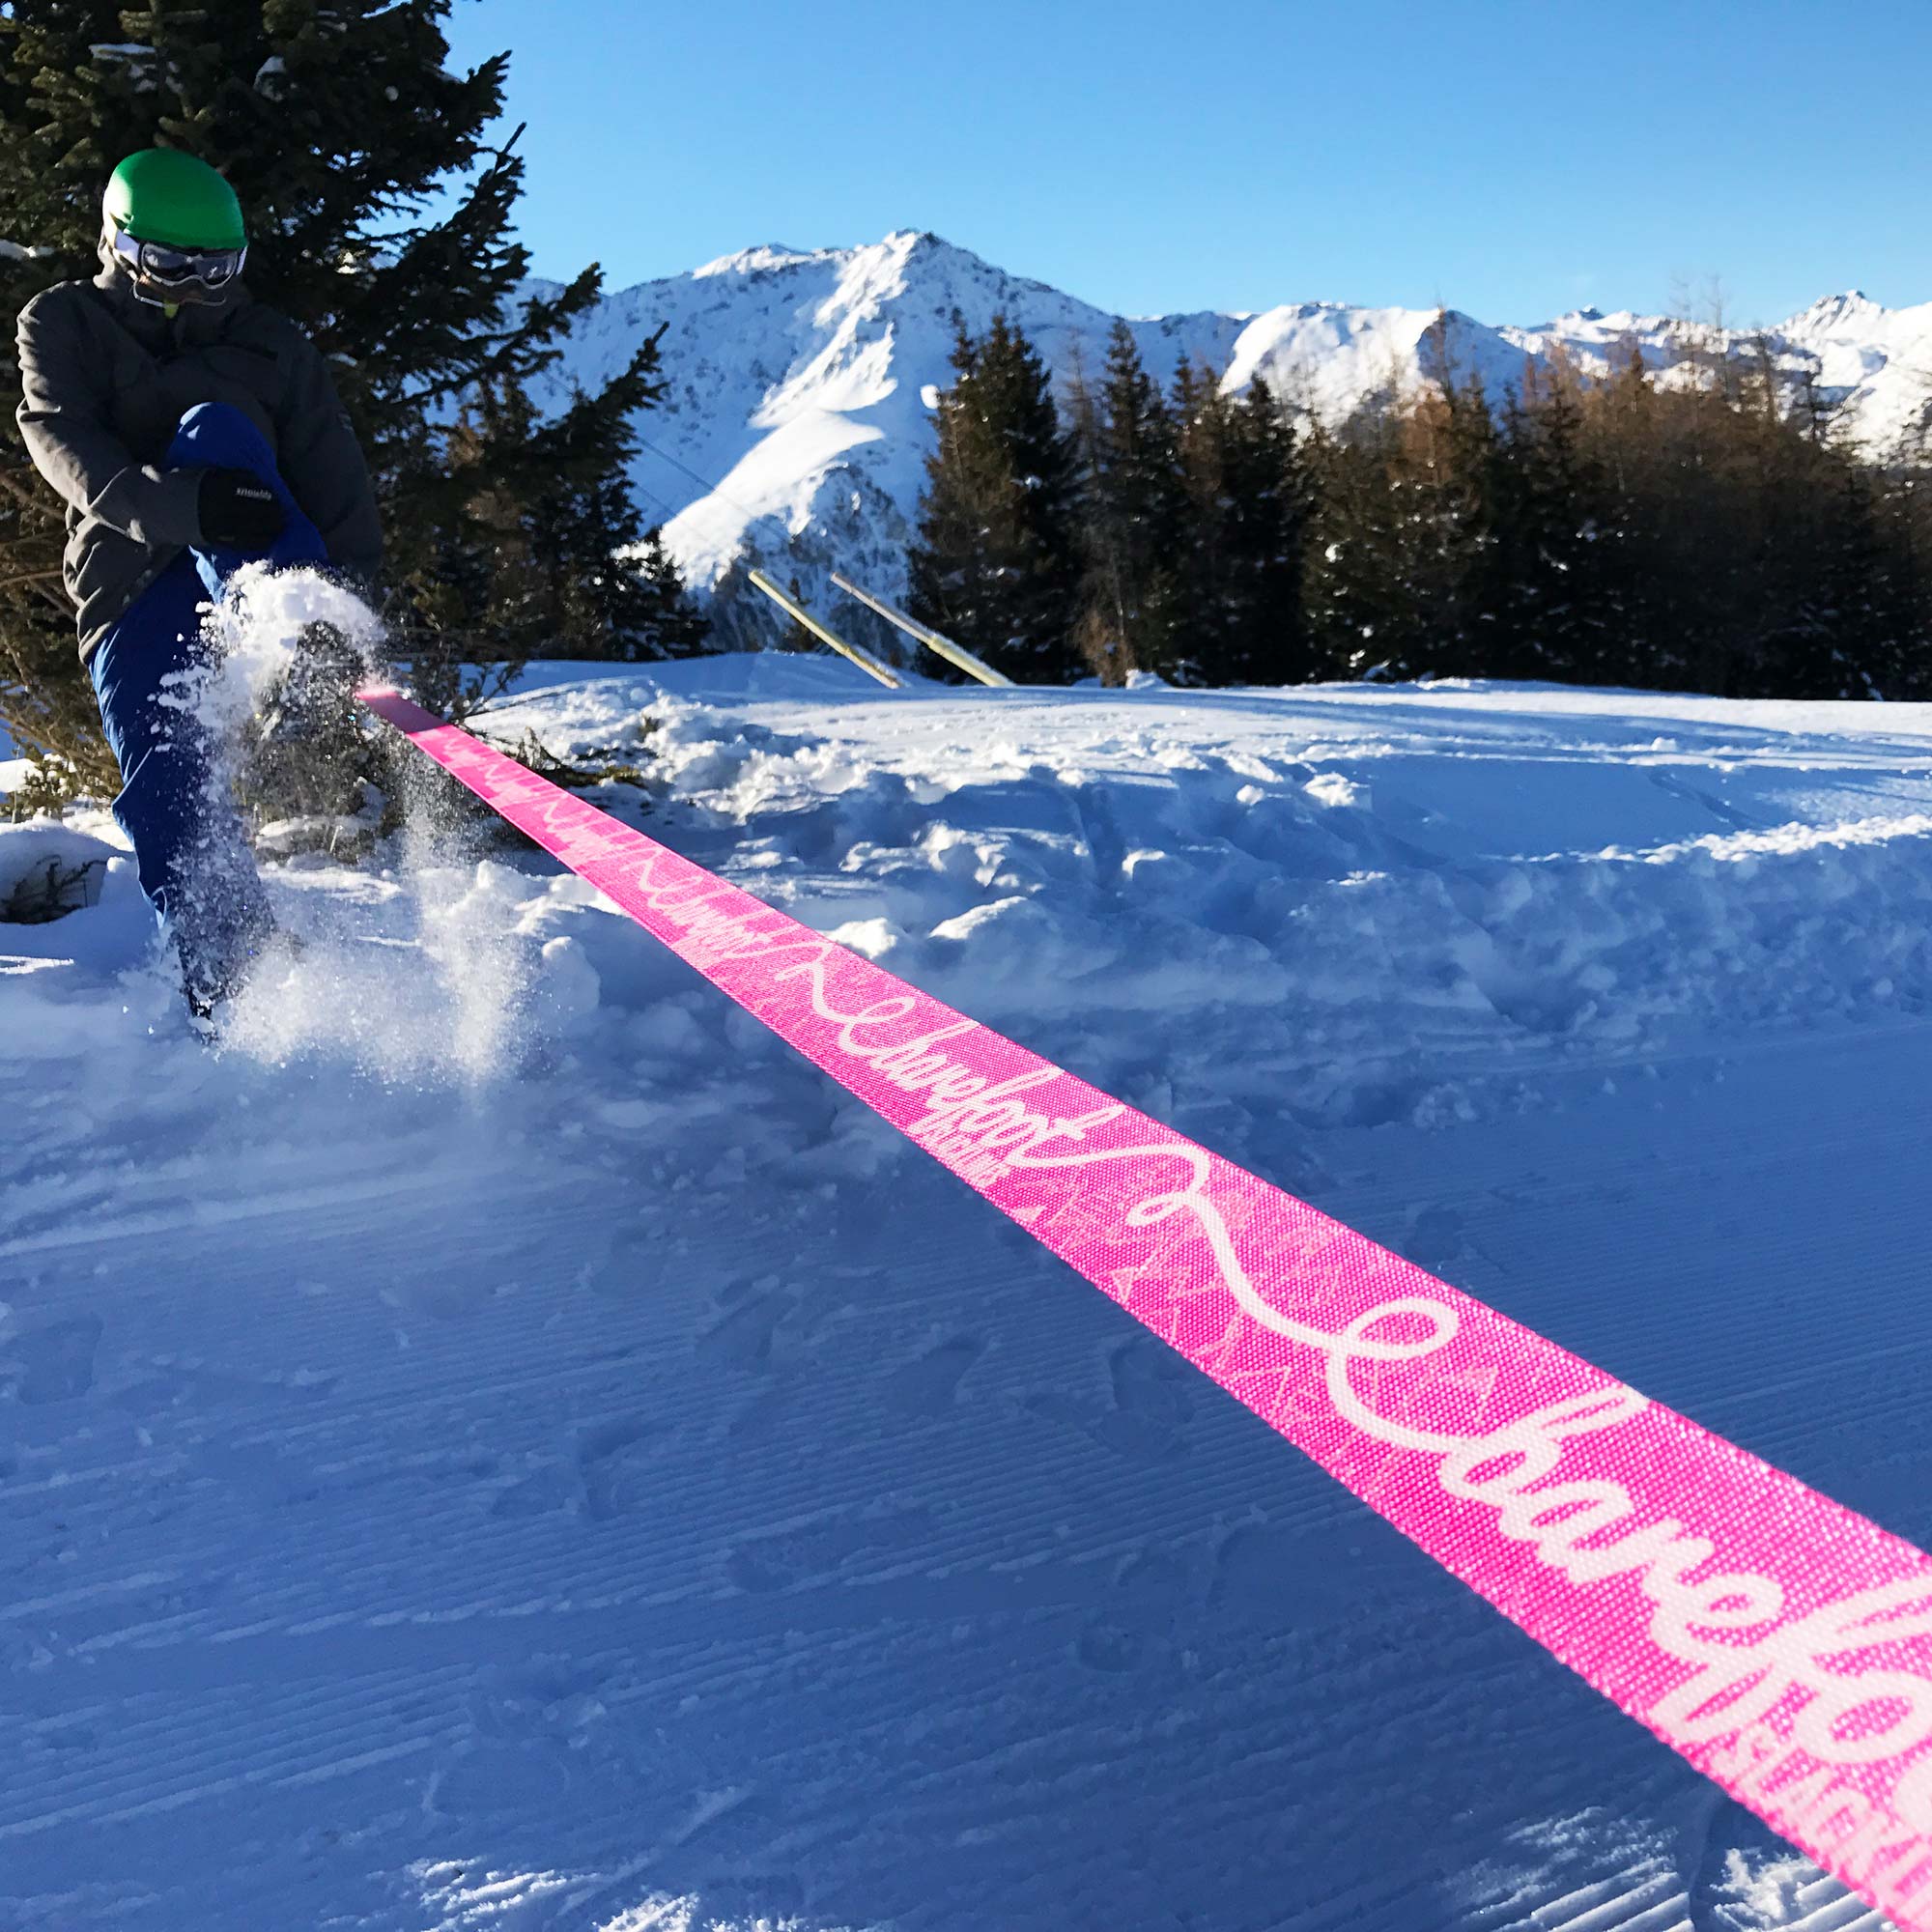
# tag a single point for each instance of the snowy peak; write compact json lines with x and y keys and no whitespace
{"x":1834,"y":312}
{"x":756,"y":261}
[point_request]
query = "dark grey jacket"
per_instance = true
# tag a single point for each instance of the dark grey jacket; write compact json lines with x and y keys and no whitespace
{"x":106,"y":380}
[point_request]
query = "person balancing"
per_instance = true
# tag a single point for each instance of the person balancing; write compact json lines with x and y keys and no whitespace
{"x":188,"y":429}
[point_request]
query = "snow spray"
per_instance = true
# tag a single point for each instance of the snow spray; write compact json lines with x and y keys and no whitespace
{"x":443,"y":990}
{"x":249,"y":639}
{"x":1777,"y":1640}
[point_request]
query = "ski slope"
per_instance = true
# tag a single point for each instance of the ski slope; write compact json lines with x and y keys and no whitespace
{"x":505,"y":1444}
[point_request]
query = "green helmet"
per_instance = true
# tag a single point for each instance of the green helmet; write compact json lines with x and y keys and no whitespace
{"x":176,"y":200}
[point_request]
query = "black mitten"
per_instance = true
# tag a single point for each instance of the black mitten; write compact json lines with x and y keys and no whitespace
{"x":239,"y":511}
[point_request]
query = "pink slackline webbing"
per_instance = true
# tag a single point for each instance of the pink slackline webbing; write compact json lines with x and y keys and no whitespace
{"x":1780,"y":1642}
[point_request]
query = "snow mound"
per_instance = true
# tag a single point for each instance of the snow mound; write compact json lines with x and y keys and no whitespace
{"x":1313,"y":876}
{"x":46,"y":866}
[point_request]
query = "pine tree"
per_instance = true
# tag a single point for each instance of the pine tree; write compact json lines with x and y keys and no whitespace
{"x":995,"y":565}
{"x":1204,"y":566}
{"x":1619,"y":443}
{"x":1452,"y":480}
{"x":1243,"y":555}
{"x":1904,"y":507}
{"x":1710,"y":534}
{"x":583,"y":541}
{"x":1853,"y":616}
{"x":345,"y":136}
{"x":569,"y":571}
{"x":1136,"y":515}
{"x":1352,"y":562}
{"x":1559,"y":610}
{"x":1737,"y":548}
{"x":673,"y":626}
{"x":1404,"y":562}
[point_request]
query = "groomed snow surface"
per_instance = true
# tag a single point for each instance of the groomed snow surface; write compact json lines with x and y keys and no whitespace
{"x":505,"y":1444}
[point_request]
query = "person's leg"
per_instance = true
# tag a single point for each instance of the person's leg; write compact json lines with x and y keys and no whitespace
{"x":175,"y":805}
{"x":136,"y":668}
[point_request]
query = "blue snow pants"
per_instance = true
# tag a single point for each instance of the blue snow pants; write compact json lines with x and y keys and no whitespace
{"x":175,"y":805}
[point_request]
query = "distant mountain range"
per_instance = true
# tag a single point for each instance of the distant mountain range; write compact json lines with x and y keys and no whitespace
{"x":800,"y":384}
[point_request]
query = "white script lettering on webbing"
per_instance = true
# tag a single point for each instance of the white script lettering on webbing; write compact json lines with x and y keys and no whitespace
{"x":1697,"y":1620}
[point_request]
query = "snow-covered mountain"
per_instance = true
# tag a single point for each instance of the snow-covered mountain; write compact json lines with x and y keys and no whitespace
{"x":800,"y":384}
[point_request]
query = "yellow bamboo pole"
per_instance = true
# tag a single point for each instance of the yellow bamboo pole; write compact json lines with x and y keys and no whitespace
{"x":799,"y":614}
{"x":954,"y":654}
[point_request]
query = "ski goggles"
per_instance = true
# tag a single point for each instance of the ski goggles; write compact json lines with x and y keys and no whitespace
{"x":169,"y":268}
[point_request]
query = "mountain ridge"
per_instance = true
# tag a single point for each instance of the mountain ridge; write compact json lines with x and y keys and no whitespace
{"x":800,"y":384}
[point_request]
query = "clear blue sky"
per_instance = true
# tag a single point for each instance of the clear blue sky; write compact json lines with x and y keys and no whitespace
{"x":1510,"y":157}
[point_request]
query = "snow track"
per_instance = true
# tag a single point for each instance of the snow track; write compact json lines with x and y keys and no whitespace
{"x":621,"y":1486}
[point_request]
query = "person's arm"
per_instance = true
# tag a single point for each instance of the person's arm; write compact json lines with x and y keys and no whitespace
{"x":62,"y":418}
{"x":321,"y":463}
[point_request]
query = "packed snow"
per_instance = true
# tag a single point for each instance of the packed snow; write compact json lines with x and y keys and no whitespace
{"x":801,"y":383}
{"x":504,"y":1443}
